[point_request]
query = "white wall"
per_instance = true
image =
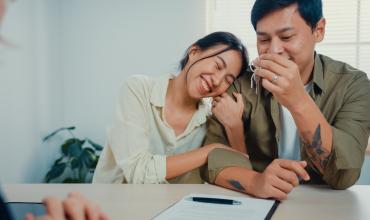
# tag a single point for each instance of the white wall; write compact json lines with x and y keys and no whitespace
{"x":26,"y":114}
{"x":106,"y":41}
{"x":70,"y":58}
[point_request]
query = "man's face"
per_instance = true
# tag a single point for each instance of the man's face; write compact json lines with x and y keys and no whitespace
{"x":285,"y":32}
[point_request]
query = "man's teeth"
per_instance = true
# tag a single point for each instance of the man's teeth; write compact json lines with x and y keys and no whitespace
{"x":205,"y":85}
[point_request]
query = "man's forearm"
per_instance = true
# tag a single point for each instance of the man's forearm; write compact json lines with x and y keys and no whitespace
{"x":236,"y":178}
{"x":318,"y":155}
{"x":307,"y":117}
{"x":316,"y":133}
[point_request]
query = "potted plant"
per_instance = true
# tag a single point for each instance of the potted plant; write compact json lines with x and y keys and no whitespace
{"x":78,"y":161}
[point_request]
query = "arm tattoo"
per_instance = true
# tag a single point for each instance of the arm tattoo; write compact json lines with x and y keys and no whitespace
{"x":236,"y":184}
{"x":316,"y":153}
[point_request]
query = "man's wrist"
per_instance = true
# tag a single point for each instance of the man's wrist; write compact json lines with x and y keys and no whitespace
{"x":302,"y":106}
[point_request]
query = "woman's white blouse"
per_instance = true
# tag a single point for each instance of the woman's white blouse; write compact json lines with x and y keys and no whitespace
{"x":140,"y":139}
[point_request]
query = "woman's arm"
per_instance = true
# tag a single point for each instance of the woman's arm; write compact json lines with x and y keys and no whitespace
{"x":182,"y":163}
{"x":235,"y":135}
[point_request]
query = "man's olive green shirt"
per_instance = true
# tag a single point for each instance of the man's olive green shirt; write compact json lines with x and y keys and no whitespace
{"x":343,"y":95}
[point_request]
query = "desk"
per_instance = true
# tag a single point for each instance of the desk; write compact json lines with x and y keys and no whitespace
{"x":145,"y":201}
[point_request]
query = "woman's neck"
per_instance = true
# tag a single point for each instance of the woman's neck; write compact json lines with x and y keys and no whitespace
{"x":177,"y":93}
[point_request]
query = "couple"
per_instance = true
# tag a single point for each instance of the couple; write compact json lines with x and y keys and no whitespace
{"x":308,"y":120}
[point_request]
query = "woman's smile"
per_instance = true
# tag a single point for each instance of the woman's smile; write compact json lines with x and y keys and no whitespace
{"x":204,"y":87}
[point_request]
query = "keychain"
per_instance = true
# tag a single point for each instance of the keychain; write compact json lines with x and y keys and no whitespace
{"x":255,"y":80}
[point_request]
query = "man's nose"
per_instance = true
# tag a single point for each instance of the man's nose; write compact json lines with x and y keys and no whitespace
{"x":276,"y":46}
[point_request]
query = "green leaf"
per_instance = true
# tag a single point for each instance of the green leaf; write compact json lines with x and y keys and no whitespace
{"x":55,"y":171}
{"x":58,"y":160}
{"x":95,"y":145}
{"x":90,"y":149}
{"x":93,"y":166}
{"x":57,"y":131}
{"x":71,"y":180}
{"x":88,"y":158}
{"x":66,"y":144}
{"x":76,"y":163}
{"x":75,"y":149}
{"x":72,"y":147}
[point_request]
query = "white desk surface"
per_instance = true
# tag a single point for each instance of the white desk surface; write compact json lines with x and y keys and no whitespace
{"x":128,"y":201}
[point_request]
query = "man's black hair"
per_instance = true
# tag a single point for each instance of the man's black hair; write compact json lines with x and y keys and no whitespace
{"x":310,"y":10}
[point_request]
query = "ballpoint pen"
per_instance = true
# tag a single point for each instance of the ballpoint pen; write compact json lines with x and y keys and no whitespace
{"x":215,"y":200}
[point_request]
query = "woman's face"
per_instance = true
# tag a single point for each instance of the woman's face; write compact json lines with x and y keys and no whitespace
{"x":212,"y":76}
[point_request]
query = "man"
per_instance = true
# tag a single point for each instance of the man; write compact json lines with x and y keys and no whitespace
{"x":311,"y":118}
{"x":76,"y":206}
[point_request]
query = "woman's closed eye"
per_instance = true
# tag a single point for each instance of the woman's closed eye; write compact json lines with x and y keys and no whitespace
{"x":218,"y":66}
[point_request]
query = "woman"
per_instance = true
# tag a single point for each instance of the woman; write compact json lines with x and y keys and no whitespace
{"x":161,"y":123}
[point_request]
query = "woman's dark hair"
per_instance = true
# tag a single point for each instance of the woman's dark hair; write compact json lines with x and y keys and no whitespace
{"x":219,"y":38}
{"x":310,"y":10}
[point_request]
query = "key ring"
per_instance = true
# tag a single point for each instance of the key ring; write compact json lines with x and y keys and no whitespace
{"x":255,"y":80}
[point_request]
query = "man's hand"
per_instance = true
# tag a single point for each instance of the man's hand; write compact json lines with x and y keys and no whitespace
{"x":278,"y":179}
{"x":282,"y":78}
{"x":75,"y":207}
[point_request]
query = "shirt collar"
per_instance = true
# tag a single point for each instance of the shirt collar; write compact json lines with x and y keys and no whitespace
{"x":158,"y":97}
{"x":318,"y":74}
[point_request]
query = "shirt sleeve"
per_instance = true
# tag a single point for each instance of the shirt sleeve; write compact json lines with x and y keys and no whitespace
{"x":215,"y":132}
{"x":219,"y":159}
{"x":129,"y":137}
{"x":351,"y":130}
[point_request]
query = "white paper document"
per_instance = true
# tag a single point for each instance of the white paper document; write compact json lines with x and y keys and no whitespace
{"x":187,"y":209}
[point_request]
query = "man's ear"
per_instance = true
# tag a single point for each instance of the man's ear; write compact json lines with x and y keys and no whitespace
{"x":319,"y":31}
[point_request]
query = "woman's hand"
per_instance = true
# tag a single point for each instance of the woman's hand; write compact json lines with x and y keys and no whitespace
{"x":228,"y":111}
